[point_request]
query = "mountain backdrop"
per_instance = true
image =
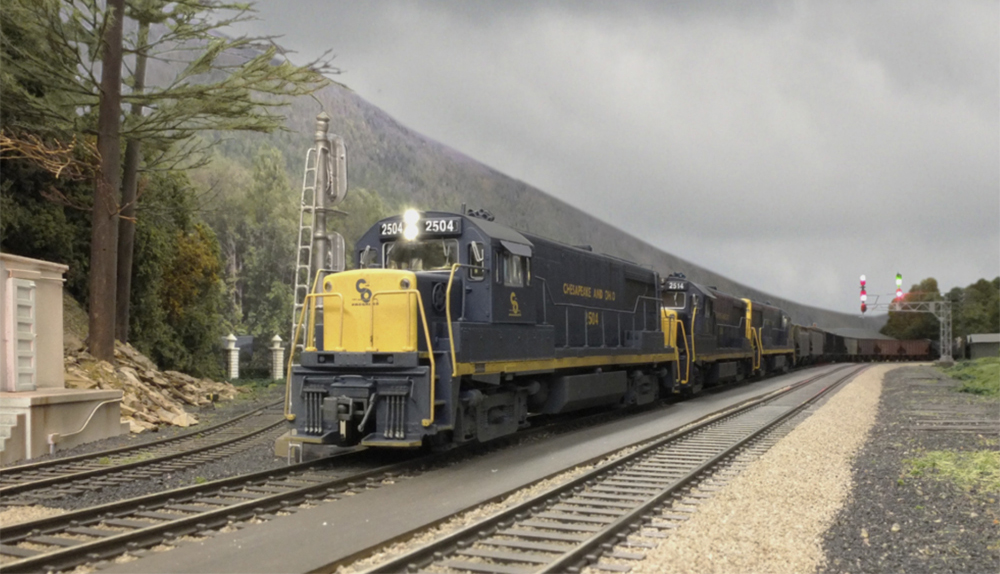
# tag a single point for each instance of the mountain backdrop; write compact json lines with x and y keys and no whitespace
{"x":407,"y":169}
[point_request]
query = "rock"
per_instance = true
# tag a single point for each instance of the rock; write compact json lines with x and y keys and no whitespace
{"x":184,"y":420}
{"x":150,"y":397}
{"x":896,"y":527}
{"x":72,"y":343}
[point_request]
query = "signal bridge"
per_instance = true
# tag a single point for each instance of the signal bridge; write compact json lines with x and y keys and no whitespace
{"x":940,"y":309}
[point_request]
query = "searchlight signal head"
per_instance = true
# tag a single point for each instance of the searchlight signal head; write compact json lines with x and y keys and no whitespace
{"x":864,"y":295}
{"x":899,"y":281}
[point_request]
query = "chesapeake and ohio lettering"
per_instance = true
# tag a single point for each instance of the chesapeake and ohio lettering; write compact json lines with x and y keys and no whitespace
{"x":588,"y":292}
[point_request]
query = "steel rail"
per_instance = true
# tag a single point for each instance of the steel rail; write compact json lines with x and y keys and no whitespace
{"x":117,"y":543}
{"x":580,"y":556}
{"x":197,"y":433}
{"x":71,"y":477}
{"x":423,"y":556}
{"x":108,"y":546}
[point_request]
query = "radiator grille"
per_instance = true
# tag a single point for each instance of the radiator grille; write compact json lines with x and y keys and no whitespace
{"x":312,"y":405}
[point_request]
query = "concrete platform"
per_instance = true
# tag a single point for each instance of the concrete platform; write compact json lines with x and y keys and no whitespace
{"x":311,"y":540}
{"x":74,"y":416}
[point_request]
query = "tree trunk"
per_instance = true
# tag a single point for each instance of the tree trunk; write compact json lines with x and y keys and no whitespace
{"x":130,"y":179}
{"x":104,"y":235}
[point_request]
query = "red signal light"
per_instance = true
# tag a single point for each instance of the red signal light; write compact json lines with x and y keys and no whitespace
{"x":864,"y":307}
{"x":899,"y":294}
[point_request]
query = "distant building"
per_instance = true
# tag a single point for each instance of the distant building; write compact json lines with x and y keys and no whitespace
{"x":983,"y":345}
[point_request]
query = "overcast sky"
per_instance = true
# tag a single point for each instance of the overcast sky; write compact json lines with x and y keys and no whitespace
{"x":791,"y":146}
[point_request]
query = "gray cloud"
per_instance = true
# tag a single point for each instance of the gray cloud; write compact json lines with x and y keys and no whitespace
{"x":789,"y":145}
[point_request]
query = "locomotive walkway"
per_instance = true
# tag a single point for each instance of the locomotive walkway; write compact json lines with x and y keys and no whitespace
{"x":312,"y":539}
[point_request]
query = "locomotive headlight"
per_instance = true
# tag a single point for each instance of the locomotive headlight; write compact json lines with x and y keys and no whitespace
{"x":411,"y":217}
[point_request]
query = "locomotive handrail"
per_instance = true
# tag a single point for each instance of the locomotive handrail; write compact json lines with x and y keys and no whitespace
{"x":311,"y":334}
{"x":688,"y":350}
{"x":447,"y":305}
{"x":758,"y":357}
{"x":427,"y":335}
{"x":295,"y":337}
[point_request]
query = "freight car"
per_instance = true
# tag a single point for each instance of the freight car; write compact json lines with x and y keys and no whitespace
{"x":883,"y":350}
{"x":808,"y":345}
{"x":814,"y":345}
{"x":454,"y":328}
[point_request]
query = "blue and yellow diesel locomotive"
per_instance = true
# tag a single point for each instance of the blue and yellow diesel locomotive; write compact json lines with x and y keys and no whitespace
{"x":725,"y":338}
{"x":454,"y":328}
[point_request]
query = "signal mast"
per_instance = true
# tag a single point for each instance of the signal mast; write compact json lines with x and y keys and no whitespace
{"x":864,"y":296}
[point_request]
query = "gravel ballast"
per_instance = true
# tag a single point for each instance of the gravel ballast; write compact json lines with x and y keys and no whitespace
{"x":259,"y":456}
{"x":772,"y":516}
{"x":897,"y":521}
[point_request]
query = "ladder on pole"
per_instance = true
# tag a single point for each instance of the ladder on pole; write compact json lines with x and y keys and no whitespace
{"x":303,"y":264}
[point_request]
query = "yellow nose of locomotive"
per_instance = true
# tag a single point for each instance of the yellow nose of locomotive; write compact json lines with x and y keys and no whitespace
{"x":370,"y":310}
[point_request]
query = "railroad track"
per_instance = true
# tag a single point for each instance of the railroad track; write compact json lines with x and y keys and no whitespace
{"x":101,"y":532}
{"x":587,"y":521}
{"x":53,"y":479}
{"x":96,"y":534}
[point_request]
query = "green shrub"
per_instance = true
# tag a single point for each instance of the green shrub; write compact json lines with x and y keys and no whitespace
{"x":979,"y":377}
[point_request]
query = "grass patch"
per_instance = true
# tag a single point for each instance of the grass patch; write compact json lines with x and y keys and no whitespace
{"x":979,"y":377}
{"x":138,"y":457}
{"x":979,"y":469}
{"x":254,"y":389}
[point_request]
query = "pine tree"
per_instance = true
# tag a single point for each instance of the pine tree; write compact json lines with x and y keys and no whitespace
{"x":56,"y":98}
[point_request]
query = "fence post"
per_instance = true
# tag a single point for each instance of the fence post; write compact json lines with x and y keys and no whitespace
{"x":232,"y":358}
{"x":277,"y":359}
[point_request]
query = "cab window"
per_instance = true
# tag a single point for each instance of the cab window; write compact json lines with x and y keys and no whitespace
{"x":513,"y":270}
{"x":368,"y":258}
{"x":674,"y":299}
{"x":421,"y":255}
{"x":476,"y":258}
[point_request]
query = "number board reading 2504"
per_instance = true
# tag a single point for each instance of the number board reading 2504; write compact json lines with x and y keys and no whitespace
{"x":432,"y":226}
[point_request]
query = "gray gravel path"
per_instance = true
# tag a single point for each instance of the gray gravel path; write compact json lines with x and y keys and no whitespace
{"x":772,"y":516}
{"x":896,"y":522}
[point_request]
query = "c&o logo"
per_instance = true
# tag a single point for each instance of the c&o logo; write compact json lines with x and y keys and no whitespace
{"x":515,"y":310}
{"x":363,"y":290}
